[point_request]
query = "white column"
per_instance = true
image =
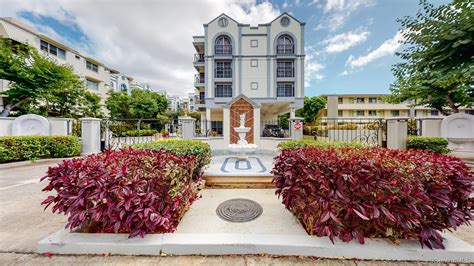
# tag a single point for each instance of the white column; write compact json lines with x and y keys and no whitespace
{"x":187,"y":126}
{"x":397,"y":134}
{"x":256,"y":126}
{"x":430,"y":127}
{"x":226,"y":125}
{"x":296,"y":128}
{"x":90,"y":135}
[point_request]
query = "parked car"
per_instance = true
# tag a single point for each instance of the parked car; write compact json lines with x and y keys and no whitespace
{"x":273,"y":131}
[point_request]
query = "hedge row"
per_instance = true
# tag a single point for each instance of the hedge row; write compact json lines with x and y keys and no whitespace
{"x":139,"y":132}
{"x":294,"y":144}
{"x":433,"y":144}
{"x":21,"y":148}
{"x":355,"y":193}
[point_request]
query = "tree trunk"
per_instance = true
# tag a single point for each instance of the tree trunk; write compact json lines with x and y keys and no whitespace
{"x":9,"y":107}
{"x":451,"y":104}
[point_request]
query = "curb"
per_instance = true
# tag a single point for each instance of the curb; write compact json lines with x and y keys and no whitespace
{"x":36,"y":162}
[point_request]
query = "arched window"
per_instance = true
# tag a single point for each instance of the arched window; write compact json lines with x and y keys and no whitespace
{"x":285,"y":45}
{"x":223,"y":45}
{"x":123,"y":88}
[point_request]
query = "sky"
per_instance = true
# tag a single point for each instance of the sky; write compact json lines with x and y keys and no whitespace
{"x":350,"y":45}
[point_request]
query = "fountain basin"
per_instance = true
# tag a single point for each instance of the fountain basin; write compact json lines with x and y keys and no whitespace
{"x":242,"y":150}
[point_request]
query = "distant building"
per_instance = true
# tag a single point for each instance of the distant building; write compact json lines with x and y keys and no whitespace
{"x":139,"y":85}
{"x":374,"y":106}
{"x":191,"y":99}
{"x":120,"y":82}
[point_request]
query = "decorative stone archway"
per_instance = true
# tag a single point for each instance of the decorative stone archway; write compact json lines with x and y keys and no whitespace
{"x":241,"y":106}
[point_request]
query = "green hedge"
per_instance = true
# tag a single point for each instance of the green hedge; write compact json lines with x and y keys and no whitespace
{"x":138,"y":133}
{"x":295,"y":144}
{"x":433,"y":144}
{"x":21,"y":148}
{"x":197,"y":148}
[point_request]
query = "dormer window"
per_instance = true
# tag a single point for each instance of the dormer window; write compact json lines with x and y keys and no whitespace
{"x":223,"y":45}
{"x":285,"y":45}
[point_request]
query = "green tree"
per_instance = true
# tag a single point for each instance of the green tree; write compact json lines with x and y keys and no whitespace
{"x":312,"y":108}
{"x":118,"y":104}
{"x":438,"y":67}
{"x":139,"y":104}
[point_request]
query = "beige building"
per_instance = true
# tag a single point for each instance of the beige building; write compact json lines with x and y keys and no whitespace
{"x":256,"y":70}
{"x":375,"y":106}
{"x":95,"y":74}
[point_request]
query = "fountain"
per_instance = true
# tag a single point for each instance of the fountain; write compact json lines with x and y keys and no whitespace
{"x":242,"y":147}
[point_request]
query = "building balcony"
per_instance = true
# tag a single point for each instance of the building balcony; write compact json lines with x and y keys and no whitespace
{"x":199,"y":80}
{"x":199,"y":60}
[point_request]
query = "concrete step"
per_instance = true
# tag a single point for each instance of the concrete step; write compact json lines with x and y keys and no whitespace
{"x":226,"y":181}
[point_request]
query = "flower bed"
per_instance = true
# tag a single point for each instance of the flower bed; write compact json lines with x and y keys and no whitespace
{"x":126,"y":191}
{"x":21,"y":148}
{"x":354,"y":193}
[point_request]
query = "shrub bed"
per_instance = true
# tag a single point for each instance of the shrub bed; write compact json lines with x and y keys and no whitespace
{"x":187,"y":147}
{"x":21,"y":148}
{"x":295,"y":144}
{"x":139,"y":133}
{"x":354,"y":193}
{"x":433,"y":144}
{"x":126,"y":191}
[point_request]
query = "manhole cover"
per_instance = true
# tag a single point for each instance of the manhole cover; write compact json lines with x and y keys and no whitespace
{"x":239,"y":210}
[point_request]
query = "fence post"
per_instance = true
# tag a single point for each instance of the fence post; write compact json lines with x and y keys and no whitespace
{"x":397,"y":133}
{"x":188,"y":126}
{"x":430,"y":126}
{"x":90,"y":132}
{"x":296,"y":128}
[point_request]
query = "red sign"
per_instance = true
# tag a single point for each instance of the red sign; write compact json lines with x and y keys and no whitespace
{"x":297,"y":125}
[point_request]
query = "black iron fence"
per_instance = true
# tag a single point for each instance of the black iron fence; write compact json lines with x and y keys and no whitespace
{"x":209,"y":128}
{"x":278,"y":128}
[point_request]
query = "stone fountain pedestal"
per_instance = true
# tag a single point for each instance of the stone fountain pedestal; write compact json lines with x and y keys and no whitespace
{"x":242,"y":147}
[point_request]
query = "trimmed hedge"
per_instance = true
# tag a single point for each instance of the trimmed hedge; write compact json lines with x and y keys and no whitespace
{"x":22,"y":148}
{"x":188,"y":147}
{"x":139,"y":133}
{"x":125,"y":191}
{"x":295,"y":144}
{"x":355,"y":193}
{"x":433,"y":144}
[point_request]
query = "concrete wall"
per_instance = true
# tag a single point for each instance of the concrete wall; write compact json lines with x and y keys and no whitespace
{"x":58,"y":126}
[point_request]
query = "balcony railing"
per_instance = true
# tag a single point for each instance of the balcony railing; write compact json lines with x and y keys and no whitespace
{"x":285,"y":49}
{"x":285,"y":72}
{"x":199,"y":78}
{"x":198,"y":58}
{"x":223,"y":49}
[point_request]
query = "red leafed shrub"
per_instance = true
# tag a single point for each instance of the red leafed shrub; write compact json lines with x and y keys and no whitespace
{"x":126,"y":191}
{"x":353,"y":193}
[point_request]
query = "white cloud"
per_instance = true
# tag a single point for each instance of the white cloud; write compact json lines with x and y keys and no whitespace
{"x":388,"y":47}
{"x":344,"y":41}
{"x":338,"y":11}
{"x":148,"y":40}
{"x":313,"y":68}
{"x":285,"y":5}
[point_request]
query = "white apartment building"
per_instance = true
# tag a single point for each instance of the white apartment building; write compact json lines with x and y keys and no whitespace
{"x":374,"y":106}
{"x":95,"y":74}
{"x":120,"y":82}
{"x":253,"y":70}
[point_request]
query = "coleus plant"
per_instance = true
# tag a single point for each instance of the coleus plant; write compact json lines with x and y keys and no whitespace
{"x":125,"y":191}
{"x":355,"y":193}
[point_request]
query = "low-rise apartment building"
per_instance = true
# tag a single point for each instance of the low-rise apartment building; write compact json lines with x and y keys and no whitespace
{"x":375,"y":106}
{"x":120,"y":82}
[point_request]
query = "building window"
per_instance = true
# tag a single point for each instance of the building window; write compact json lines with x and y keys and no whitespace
{"x":51,"y":49}
{"x":223,"y":45}
{"x":91,"y":66}
{"x":123,"y":88}
{"x":223,"y":91}
{"x":285,"y":69}
{"x":360,"y":100}
{"x":339,"y":100}
{"x":223,"y":69}
{"x":93,"y":85}
{"x":395,"y":113}
{"x":372,"y":100}
{"x":285,"y":21}
{"x":216,"y":126}
{"x":254,"y":43}
{"x":372,"y":112}
{"x":360,"y":113}
{"x":254,"y":62}
{"x":254,"y":85}
{"x":78,"y":57}
{"x":285,"y":89}
{"x":285,"y":45}
{"x":340,"y":113}
{"x":434,"y":112}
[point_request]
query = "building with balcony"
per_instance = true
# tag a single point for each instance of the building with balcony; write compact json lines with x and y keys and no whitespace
{"x":120,"y":82}
{"x":95,"y":74}
{"x":374,"y":106}
{"x":253,"y":70}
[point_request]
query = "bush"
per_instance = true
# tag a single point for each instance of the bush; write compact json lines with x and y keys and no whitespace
{"x":139,"y":132}
{"x":354,"y":193}
{"x":295,"y":144}
{"x":343,"y":127}
{"x":196,"y":148}
{"x":21,"y":148}
{"x":126,"y":191}
{"x":433,"y":144}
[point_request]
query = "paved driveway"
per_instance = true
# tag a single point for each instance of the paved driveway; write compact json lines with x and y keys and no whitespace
{"x":23,"y":223}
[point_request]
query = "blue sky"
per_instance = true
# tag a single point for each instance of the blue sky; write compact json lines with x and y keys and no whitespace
{"x":350,"y":44}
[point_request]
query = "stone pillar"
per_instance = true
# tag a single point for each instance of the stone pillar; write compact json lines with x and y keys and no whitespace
{"x":296,"y":128}
{"x":397,"y":134}
{"x":431,"y":126}
{"x":203,"y":124}
{"x":188,"y":126}
{"x":226,"y":125}
{"x":90,"y":135}
{"x":332,"y":106}
{"x":208,"y":121}
{"x":61,"y":126}
{"x":256,"y":126}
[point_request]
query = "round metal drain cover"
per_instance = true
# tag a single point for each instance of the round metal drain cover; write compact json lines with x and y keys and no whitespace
{"x":239,"y":210}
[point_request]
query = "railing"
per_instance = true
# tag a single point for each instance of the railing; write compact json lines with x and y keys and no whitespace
{"x":285,"y":49}
{"x":199,"y":78}
{"x":285,"y":72}
{"x":277,"y":128}
{"x":199,"y":58}
{"x":223,"y":49}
